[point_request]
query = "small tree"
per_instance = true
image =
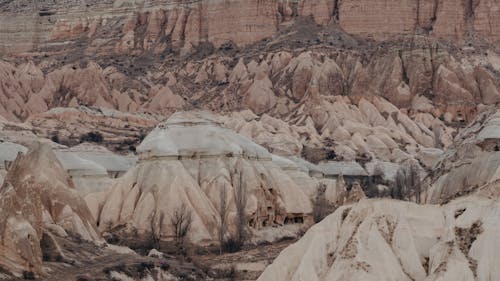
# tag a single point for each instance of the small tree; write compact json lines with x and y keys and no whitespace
{"x":407,"y":182}
{"x":223,"y":209}
{"x":241,"y":219}
{"x":181,"y":221}
{"x":437,"y":136}
{"x":156,"y":229}
{"x":373,"y":180}
{"x":321,"y":206}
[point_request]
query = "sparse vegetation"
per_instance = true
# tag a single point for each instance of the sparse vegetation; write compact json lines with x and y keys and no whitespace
{"x":321,"y":206}
{"x":157,"y":230}
{"x":241,"y":218}
{"x":373,"y":180}
{"x":407,"y":184}
{"x":164,"y":266}
{"x":223,"y":209}
{"x":181,"y":221}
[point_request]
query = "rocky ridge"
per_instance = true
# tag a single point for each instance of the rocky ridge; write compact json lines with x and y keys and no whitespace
{"x":36,"y":202}
{"x":158,"y":26}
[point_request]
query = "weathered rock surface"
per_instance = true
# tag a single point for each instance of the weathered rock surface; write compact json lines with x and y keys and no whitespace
{"x":38,"y":196}
{"x":419,"y":73}
{"x":351,"y":131}
{"x":472,"y":162}
{"x":129,"y":26}
{"x":394,"y":240}
{"x":188,"y":160}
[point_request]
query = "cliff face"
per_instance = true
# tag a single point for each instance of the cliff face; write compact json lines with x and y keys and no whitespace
{"x":125,"y":25}
{"x":442,"y":19}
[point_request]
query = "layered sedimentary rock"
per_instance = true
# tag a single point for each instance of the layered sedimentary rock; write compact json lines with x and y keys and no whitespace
{"x":150,"y":25}
{"x":191,"y":160}
{"x":37,"y":198}
{"x":394,"y":240}
{"x":124,"y":26}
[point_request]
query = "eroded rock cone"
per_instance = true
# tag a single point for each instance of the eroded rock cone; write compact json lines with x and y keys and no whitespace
{"x":190,"y":159}
{"x":37,"y":194}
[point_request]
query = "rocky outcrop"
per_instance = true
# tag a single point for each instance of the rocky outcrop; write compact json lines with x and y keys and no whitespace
{"x":350,"y":131}
{"x":191,"y":159}
{"x":421,"y":78}
{"x":394,"y":240}
{"x":36,"y":199}
{"x":471,"y":163}
{"x":120,"y":131}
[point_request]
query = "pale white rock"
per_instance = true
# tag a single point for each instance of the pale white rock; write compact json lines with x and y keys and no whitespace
{"x":471,"y":163}
{"x":188,"y":160}
{"x":422,"y":104}
{"x":429,"y":156}
{"x":88,"y":176}
{"x":371,"y":113}
{"x":382,"y":239}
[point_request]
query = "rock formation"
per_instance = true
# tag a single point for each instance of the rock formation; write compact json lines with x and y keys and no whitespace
{"x":37,"y":198}
{"x":128,"y":26}
{"x":471,"y":163}
{"x":350,"y":131}
{"x":188,"y":160}
{"x":317,"y":104}
{"x":394,"y":240}
{"x":417,"y":73}
{"x":92,"y":168}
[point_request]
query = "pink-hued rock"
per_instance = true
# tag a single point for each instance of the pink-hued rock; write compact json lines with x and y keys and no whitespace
{"x":37,"y":193}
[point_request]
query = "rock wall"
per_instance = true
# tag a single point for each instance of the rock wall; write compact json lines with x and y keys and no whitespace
{"x":156,"y":24}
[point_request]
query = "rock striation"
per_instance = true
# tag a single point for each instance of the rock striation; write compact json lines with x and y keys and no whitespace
{"x":127,"y":26}
{"x":37,"y":198}
{"x":192,"y":159}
